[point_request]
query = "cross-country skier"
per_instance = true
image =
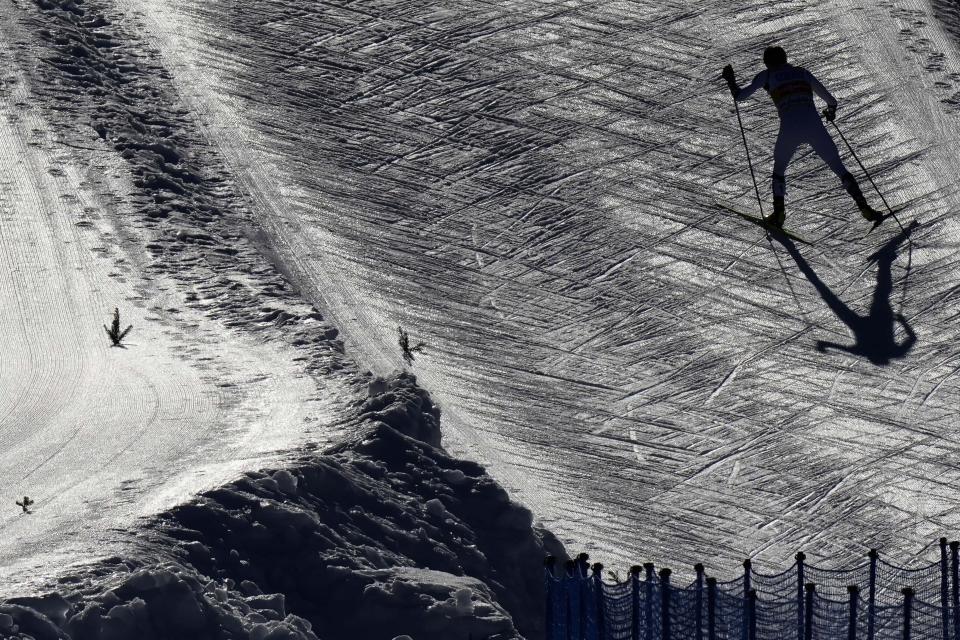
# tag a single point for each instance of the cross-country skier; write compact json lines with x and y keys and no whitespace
{"x":792,"y":89}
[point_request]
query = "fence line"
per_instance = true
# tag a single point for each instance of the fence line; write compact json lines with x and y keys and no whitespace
{"x":873,"y":601}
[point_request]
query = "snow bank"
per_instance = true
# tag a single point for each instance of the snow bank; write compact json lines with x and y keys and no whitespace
{"x":165,"y":601}
{"x":386,"y":532}
{"x":377,"y":537}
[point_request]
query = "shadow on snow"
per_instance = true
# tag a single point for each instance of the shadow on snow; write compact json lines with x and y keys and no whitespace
{"x":873,"y":333}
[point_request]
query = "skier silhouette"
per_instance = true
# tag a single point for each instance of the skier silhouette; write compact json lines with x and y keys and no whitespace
{"x":872,"y":333}
{"x":792,"y":89}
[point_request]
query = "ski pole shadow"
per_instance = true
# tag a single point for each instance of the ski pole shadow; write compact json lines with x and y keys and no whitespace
{"x":873,"y":333}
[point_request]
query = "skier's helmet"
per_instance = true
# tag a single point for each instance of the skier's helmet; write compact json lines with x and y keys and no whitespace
{"x":774,"y":57}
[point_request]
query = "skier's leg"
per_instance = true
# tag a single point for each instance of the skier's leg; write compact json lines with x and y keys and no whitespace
{"x":783,"y":150}
{"x":819,"y":138}
{"x":825,"y":147}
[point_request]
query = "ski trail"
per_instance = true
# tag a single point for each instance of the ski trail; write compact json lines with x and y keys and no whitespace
{"x":559,"y":162}
{"x":100,"y":436}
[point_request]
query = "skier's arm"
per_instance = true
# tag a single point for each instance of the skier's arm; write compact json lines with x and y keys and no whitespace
{"x":740,"y":94}
{"x":821,"y":91}
{"x":823,"y":345}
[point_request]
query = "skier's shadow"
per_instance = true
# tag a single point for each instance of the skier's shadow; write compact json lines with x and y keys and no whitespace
{"x":873,"y":333}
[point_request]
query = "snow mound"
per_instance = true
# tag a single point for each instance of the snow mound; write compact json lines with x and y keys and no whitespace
{"x":372,"y":537}
{"x":381,"y":536}
{"x":447,"y":606}
{"x":168,"y":601}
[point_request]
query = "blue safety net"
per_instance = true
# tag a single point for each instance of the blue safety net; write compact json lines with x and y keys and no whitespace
{"x":875,"y":600}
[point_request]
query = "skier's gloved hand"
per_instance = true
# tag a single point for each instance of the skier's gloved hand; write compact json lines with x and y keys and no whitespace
{"x":731,"y":79}
{"x":830,"y":113}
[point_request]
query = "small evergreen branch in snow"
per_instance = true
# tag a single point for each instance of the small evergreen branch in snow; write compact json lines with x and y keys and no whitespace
{"x":25,"y":505}
{"x":405,"y":347}
{"x":615,"y":576}
{"x":116,"y":336}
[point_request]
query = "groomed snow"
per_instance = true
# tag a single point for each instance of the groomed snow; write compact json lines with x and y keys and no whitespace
{"x":98,"y":436}
{"x":116,"y":199}
{"x":528,"y":188}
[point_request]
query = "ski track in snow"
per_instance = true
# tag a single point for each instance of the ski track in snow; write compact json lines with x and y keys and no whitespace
{"x":99,"y":436}
{"x":527,"y":187}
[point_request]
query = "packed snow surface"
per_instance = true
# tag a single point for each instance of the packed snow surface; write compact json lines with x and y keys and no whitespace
{"x":98,"y":436}
{"x":530,"y":188}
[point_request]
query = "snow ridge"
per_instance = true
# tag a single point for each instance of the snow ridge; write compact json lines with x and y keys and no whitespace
{"x":384,"y":535}
{"x":374,"y":524}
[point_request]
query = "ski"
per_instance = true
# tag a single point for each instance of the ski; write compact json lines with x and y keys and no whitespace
{"x":883,"y":218}
{"x":760,"y":222}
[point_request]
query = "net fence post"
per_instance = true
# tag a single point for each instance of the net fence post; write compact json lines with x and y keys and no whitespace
{"x":907,"y":607}
{"x":752,"y":614}
{"x":665,"y":604}
{"x":745,"y":622}
{"x":800,"y":558}
{"x":854,"y":592}
{"x":955,"y":579}
{"x":648,"y":605}
{"x":872,"y":595}
{"x":698,"y":612}
{"x":711,"y":609}
{"x":599,"y":601}
{"x":808,"y":611}
{"x":551,"y":594}
{"x":635,"y":602}
{"x":583,"y":586}
{"x":571,"y":586}
{"x":944,"y":590}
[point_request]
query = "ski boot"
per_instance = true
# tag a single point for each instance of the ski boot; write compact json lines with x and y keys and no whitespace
{"x":779,"y":214}
{"x":869,"y":213}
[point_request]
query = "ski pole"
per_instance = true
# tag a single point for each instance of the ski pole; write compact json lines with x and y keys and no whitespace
{"x":867,"y":173}
{"x":749,"y":163}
